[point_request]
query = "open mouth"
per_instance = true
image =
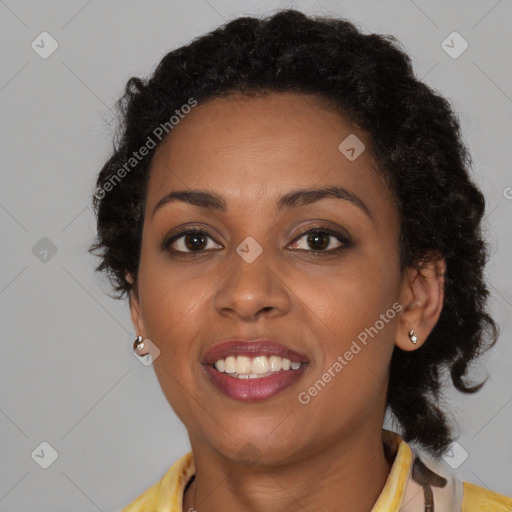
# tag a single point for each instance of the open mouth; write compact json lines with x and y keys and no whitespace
{"x":253,"y":370}
{"x":253,"y":387}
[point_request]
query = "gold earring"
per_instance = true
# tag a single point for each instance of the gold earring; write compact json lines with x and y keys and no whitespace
{"x":413,"y":336}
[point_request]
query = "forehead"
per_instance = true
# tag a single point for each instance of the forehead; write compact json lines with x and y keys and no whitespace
{"x":255,"y":148}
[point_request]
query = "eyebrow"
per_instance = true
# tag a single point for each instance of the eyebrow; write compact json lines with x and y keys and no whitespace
{"x":293,"y":199}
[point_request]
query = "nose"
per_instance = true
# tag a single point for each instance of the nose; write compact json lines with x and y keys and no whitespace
{"x":252,"y":289}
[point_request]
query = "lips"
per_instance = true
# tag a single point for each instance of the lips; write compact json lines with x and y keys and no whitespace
{"x":254,"y":348}
{"x":252,"y":389}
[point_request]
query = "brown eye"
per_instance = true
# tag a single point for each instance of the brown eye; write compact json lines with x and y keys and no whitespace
{"x":192,"y":240}
{"x":319,"y":240}
{"x":322,"y":240}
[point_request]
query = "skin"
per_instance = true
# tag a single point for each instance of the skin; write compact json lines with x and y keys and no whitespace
{"x":328,"y":454}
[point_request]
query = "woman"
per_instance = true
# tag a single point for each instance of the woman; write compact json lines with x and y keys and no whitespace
{"x":290,"y":213}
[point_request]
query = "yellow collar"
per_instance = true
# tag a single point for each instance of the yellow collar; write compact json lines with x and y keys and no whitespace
{"x":404,"y":490}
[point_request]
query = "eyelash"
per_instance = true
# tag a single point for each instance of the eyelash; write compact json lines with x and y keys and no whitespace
{"x":341,"y":237}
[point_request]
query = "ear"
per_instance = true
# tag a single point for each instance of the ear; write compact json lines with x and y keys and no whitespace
{"x":135,"y":310}
{"x":422,"y":298}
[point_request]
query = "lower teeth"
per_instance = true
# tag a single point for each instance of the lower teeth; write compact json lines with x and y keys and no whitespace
{"x":249,"y":375}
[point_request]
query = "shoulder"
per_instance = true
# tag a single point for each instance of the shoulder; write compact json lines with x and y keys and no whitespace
{"x":480,"y":499}
{"x":147,"y":499}
{"x":433,"y":483}
{"x":166,"y":495}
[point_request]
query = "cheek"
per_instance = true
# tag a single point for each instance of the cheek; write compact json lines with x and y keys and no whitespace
{"x":351,"y":298}
{"x":359,"y":338}
{"x":353,"y":317}
{"x":172,"y":304}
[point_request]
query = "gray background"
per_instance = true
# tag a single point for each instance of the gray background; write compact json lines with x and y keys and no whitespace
{"x":67,"y":373}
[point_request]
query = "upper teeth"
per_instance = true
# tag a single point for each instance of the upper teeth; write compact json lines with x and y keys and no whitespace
{"x":246,"y":367}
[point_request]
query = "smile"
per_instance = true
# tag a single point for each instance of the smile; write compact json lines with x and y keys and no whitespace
{"x":253,"y":370}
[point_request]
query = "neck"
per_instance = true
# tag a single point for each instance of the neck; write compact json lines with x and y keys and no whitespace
{"x":347,"y":475}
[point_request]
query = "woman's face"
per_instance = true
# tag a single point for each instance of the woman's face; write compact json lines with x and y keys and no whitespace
{"x":320,"y":294}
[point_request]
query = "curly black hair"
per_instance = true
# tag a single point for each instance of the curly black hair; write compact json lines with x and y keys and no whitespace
{"x":414,"y":138}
